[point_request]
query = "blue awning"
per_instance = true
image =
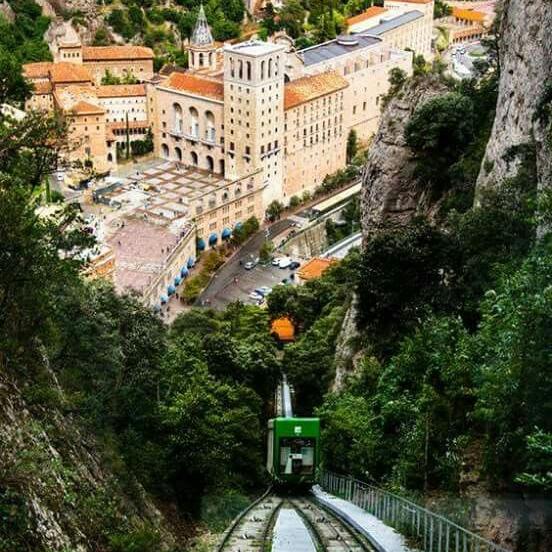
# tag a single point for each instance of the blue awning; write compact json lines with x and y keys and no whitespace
{"x":226,"y":233}
{"x":177,"y":280}
{"x":213,"y":238}
{"x":163,"y":299}
{"x":171,"y":289}
{"x":201,"y":244}
{"x":184,"y":272}
{"x":191,"y":262}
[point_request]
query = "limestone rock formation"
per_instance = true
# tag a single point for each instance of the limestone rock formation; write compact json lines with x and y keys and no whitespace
{"x":525,"y":48}
{"x":57,"y":480}
{"x":390,"y":191}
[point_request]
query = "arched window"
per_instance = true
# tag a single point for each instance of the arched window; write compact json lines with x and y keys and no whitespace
{"x":210,"y":163}
{"x":193,"y":157}
{"x":232,"y":68}
{"x":165,"y":151}
{"x":262,"y":69}
{"x":194,"y":122}
{"x":178,"y":121}
{"x":210,"y":126}
{"x":210,"y":58}
{"x":225,"y":196}
{"x":270,"y":68}
{"x":178,"y":154}
{"x":110,"y":157}
{"x":277,"y":66}
{"x":192,"y":59}
{"x":286,"y":77}
{"x":221,"y":167}
{"x":240,"y":69}
{"x":248,"y":65}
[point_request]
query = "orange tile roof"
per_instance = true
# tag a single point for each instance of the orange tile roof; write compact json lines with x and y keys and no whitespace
{"x":37,"y":70}
{"x":69,"y":72}
{"x":195,"y":85}
{"x":315,"y":268}
{"x":106,"y":53}
{"x":42,"y":87}
{"x":309,"y":88}
{"x":120,"y":90}
{"x":368,"y":14}
{"x":283,"y":328}
{"x":86,"y":108}
{"x":468,"y":15}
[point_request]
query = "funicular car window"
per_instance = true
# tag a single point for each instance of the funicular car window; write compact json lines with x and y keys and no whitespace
{"x":297,"y":455}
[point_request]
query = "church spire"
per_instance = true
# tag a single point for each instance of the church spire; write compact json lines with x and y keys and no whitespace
{"x":201,"y":35}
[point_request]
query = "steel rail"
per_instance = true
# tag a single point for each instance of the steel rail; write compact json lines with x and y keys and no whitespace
{"x":364,"y":543}
{"x":238,"y":519}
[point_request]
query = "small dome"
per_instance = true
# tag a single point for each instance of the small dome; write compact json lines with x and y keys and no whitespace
{"x":347,"y":40}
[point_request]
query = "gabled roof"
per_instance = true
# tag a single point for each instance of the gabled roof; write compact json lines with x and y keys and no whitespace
{"x":394,"y":23}
{"x":85,"y":108}
{"x":107,"y":53}
{"x":417,"y":1}
{"x":368,"y":14}
{"x":198,"y":86}
{"x":64,"y":72}
{"x":42,"y":87}
{"x":309,"y":88}
{"x":120,"y":90}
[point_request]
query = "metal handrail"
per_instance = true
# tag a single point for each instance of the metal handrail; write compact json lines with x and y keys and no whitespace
{"x":431,"y":532}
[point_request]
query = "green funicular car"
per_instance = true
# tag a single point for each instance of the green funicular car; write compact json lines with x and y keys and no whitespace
{"x":293,"y":451}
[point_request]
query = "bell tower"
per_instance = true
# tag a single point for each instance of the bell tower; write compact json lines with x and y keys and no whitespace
{"x":201,"y":50}
{"x":254,"y":113}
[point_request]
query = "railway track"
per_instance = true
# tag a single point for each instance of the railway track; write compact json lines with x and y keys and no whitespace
{"x":330,"y":532}
{"x":253,"y":529}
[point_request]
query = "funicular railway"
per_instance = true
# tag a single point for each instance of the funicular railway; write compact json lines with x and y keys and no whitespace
{"x":356,"y":517}
{"x":287,"y":517}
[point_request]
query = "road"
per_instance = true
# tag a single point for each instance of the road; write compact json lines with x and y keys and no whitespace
{"x":224,"y":288}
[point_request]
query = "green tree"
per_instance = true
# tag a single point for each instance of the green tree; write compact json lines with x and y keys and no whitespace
{"x":274,"y":210}
{"x":14,"y":89}
{"x":292,"y":16}
{"x":352,"y":145}
{"x":438,"y":132}
{"x":265,"y":253}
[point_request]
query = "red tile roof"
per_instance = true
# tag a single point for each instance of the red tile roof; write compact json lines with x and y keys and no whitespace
{"x":42,"y":87}
{"x":86,"y":108}
{"x":315,"y":268}
{"x":309,"y":88}
{"x":106,"y":53}
{"x":283,"y":328}
{"x":469,"y":15}
{"x":368,"y":14}
{"x":120,"y":90}
{"x":64,"y":72}
{"x":196,"y":85}
{"x":37,"y":70}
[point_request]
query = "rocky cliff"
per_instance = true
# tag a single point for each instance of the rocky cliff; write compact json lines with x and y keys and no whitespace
{"x":390,"y":191}
{"x":525,"y":47}
{"x":56,"y":491}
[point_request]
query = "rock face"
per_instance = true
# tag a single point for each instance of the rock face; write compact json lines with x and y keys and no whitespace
{"x":390,"y":191}
{"x":54,"y":479}
{"x":525,"y":48}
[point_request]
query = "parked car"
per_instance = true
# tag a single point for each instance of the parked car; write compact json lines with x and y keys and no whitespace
{"x":276,"y":261}
{"x":294,"y":265}
{"x":265,"y":290}
{"x":249,"y":265}
{"x":285,"y":262}
{"x":255,"y":296}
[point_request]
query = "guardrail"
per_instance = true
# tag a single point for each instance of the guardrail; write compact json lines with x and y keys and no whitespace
{"x":425,"y":530}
